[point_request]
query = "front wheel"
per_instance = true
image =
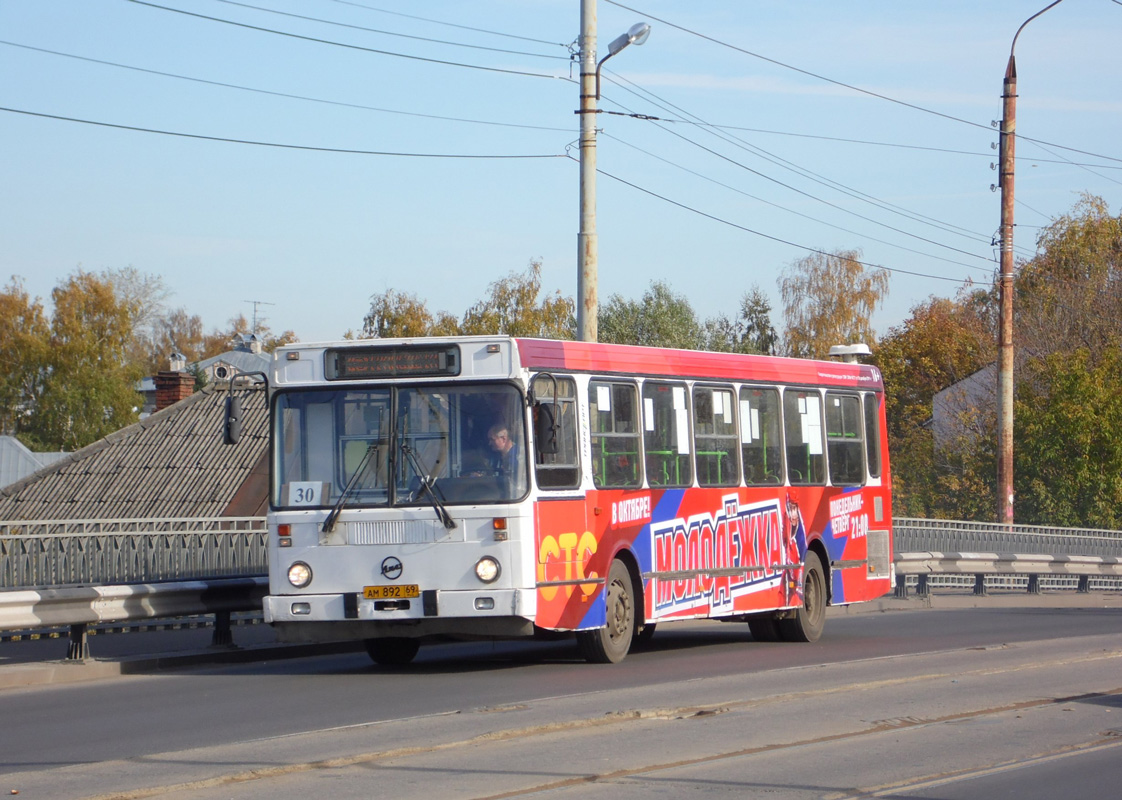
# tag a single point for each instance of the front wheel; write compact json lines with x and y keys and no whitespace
{"x":393,"y":651}
{"x":808,"y":621}
{"x":609,"y":645}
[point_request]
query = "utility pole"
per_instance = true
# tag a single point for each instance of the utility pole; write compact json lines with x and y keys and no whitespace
{"x":587,"y":245}
{"x":1005,"y":295}
{"x":1005,"y":285}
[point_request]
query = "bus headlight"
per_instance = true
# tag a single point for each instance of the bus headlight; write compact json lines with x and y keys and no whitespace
{"x":299,"y":574}
{"x":487,"y":569}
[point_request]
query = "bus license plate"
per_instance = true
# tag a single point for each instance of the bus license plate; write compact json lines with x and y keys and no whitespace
{"x":391,"y":592}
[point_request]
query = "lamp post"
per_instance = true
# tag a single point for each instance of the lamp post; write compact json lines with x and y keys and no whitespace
{"x":1005,"y":285}
{"x":587,"y":245}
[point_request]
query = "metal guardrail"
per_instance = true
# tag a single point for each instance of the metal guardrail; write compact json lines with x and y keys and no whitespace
{"x":116,"y":552}
{"x":911,"y":535}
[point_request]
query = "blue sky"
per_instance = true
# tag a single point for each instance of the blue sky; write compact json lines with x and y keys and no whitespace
{"x":797,"y":156}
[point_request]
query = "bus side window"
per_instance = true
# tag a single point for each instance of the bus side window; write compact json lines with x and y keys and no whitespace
{"x":714,"y":430}
{"x":802,"y":431}
{"x":614,"y":417}
{"x":845,"y":450}
{"x":761,"y":436}
{"x":560,"y":470}
{"x":666,"y":434}
{"x":872,"y":433}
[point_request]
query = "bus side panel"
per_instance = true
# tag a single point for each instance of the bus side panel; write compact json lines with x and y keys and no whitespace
{"x":848,"y":520}
{"x":566,"y":551}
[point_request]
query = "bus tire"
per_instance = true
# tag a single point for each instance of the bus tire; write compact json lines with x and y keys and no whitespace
{"x":764,"y":628}
{"x":610,"y":644}
{"x":392,"y":651}
{"x":807,"y":622}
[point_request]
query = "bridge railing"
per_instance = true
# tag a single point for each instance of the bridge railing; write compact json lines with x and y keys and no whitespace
{"x":60,"y":553}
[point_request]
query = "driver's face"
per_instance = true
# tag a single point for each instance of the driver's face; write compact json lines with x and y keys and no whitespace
{"x":500,"y":441}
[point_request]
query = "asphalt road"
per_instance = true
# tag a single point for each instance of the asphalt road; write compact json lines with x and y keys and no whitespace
{"x":927,"y":704}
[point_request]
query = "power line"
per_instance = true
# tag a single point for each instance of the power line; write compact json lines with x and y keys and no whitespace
{"x":784,"y":208}
{"x":448,"y":24}
{"x":280,"y":145}
{"x":391,"y":33}
{"x":344,"y":44}
{"x":282,"y":94}
{"x":844,"y":85}
{"x":761,"y":234}
{"x":825,"y":182}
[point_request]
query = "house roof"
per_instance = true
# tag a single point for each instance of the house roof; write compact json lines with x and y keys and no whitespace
{"x":16,"y":461}
{"x":170,"y":464}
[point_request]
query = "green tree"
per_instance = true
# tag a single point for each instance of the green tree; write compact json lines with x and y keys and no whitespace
{"x":512,"y":308}
{"x":660,"y":319}
{"x":750,"y":332}
{"x":89,"y":388}
{"x":1069,"y":296}
{"x":24,"y":350}
{"x":943,"y":341}
{"x":1068,"y":458}
{"x":828,"y":299}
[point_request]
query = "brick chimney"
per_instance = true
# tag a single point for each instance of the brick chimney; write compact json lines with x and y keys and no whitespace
{"x":174,"y":384}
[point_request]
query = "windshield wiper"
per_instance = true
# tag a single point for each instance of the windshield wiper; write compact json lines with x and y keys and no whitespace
{"x":360,"y":470}
{"x":428,"y":483}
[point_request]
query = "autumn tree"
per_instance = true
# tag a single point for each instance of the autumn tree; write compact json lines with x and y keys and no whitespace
{"x":89,"y":383}
{"x":660,"y":319}
{"x":512,"y":308}
{"x":828,"y":299}
{"x":1069,"y":296}
{"x":24,"y":348}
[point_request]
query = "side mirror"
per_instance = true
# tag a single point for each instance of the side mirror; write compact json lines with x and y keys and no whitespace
{"x":545,"y":429}
{"x":232,"y":429}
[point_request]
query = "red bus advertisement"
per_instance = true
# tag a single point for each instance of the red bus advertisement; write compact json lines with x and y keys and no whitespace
{"x":426,"y":489}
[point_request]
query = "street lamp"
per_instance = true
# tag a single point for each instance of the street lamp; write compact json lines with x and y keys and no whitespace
{"x":1005,"y":286}
{"x":587,"y":246}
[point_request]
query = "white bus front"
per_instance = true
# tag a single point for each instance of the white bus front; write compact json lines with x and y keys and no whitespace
{"x":399,"y":500}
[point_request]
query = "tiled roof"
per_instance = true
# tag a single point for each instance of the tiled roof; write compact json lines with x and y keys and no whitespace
{"x":171,"y":464}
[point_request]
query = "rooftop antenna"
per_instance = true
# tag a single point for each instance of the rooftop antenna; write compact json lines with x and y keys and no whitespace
{"x":257,"y":303}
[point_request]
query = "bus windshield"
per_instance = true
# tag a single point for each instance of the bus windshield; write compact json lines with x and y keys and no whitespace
{"x":382,"y":446}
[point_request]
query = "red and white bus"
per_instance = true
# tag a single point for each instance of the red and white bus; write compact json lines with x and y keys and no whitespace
{"x":494,"y":487}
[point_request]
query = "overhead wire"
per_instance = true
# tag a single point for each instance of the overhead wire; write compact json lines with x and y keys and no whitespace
{"x":316,"y":40}
{"x":390,"y":33}
{"x":842,"y":84}
{"x":281,"y":145}
{"x":822,"y":200}
{"x":285,"y":95}
{"x":446,"y":23}
{"x":778,"y":239}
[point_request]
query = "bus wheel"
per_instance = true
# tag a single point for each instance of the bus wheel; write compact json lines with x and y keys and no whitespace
{"x":392,"y":651}
{"x":807,"y":623}
{"x":764,"y":628}
{"x":609,"y":645}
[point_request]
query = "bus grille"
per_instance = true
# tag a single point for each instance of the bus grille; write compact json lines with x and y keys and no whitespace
{"x":396,"y":532}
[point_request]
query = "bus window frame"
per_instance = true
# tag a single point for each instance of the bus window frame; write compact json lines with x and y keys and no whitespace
{"x":594,"y":382}
{"x":734,"y":437}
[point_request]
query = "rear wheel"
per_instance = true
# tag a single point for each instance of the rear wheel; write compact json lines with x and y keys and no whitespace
{"x":609,"y":644}
{"x":808,"y":621}
{"x":392,"y":651}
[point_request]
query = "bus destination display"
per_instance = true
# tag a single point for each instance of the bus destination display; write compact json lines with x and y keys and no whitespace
{"x":392,"y":362}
